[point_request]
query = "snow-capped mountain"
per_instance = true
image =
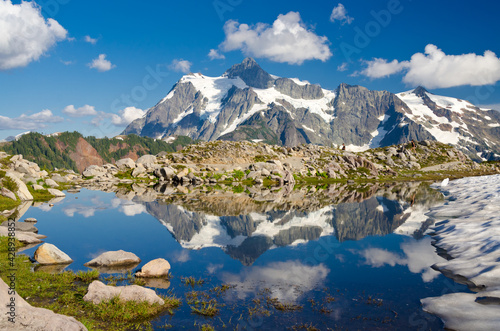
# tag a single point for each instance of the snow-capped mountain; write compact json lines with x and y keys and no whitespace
{"x":247,"y":103}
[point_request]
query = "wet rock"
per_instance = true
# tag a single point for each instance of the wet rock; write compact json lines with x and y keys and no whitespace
{"x":50,"y":254}
{"x":30,"y":220}
{"x":21,"y":226}
{"x":99,"y":292}
{"x":24,"y":237}
{"x":114,"y":258}
{"x":33,"y":318}
{"x":156,"y":268}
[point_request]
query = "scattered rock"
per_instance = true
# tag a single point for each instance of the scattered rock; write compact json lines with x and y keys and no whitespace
{"x":21,"y":226}
{"x":156,"y":268}
{"x":114,"y":258}
{"x":50,"y":254}
{"x":125,"y":163}
{"x":37,"y":187}
{"x":24,"y":237}
{"x":30,"y":220}
{"x":99,"y":292}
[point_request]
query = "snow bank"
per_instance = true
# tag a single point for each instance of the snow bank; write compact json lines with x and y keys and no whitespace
{"x":470,"y":234}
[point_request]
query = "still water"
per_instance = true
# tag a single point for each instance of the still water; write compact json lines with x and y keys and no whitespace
{"x":344,"y":258}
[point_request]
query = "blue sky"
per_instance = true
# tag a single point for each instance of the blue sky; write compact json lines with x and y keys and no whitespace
{"x":92,"y":66}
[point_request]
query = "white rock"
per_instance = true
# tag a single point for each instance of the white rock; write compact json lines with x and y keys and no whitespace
{"x":51,"y":183}
{"x":23,"y":193}
{"x":139,"y":170}
{"x":99,"y":292}
{"x":56,"y":192}
{"x":7,"y":193}
{"x":24,"y":237}
{"x":114,"y":258}
{"x":50,"y":254}
{"x":126,"y":163}
{"x":156,"y":268}
{"x":145,"y":159}
{"x":32,"y":318}
{"x":37,"y":187}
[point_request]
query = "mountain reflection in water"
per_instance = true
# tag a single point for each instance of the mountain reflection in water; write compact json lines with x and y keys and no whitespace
{"x":248,"y":224}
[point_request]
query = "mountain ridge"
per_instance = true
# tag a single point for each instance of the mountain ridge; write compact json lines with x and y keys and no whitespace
{"x":247,"y":103}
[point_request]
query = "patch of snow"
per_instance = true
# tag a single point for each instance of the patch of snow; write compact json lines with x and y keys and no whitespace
{"x":300,"y":82}
{"x":470,"y":233}
{"x":257,"y":140}
{"x":308,"y":128}
{"x":379,"y":134}
{"x":418,"y":108}
{"x":356,"y":149}
{"x":414,"y":221}
{"x":119,"y":138}
{"x":494,"y":125}
{"x":453,"y":104}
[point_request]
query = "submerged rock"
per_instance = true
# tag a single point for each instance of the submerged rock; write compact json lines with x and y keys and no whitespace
{"x":50,"y":254}
{"x":99,"y":292}
{"x":156,"y":268}
{"x":114,"y":258}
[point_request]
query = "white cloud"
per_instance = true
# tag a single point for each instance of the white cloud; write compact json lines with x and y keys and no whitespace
{"x":342,"y":67}
{"x":287,"y":40}
{"x":79,"y":112}
{"x":181,"y":65}
{"x":418,"y":256}
{"x":25,"y":35}
{"x":29,"y":122}
{"x":378,"y":68}
{"x":283,"y":278}
{"x":215,"y":54}
{"x":67,"y":63}
{"x":339,"y":13}
{"x":435,"y":69}
{"x":90,"y":40}
{"x":127,"y":115}
{"x":101,"y":64}
{"x":132,"y":209}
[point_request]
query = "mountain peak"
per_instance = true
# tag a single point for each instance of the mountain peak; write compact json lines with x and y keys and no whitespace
{"x":420,"y":91}
{"x":251,"y":73}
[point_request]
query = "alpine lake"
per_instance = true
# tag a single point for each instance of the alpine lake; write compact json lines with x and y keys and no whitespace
{"x":334,"y":257}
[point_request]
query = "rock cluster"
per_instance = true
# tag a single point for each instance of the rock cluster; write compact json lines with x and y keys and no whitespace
{"x":99,"y":292}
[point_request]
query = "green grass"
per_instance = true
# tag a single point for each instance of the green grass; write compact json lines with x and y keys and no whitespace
{"x":9,"y":184}
{"x":63,"y":293}
{"x":40,"y":195}
{"x":7,"y":203}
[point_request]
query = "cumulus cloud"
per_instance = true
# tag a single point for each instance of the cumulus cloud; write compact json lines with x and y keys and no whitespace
{"x":287,"y":40}
{"x":29,"y":122}
{"x":90,"y":40}
{"x":25,"y":35}
{"x":378,"y":68}
{"x":85,"y":110}
{"x":101,"y":64}
{"x":281,"y":277}
{"x":435,"y":69}
{"x":418,"y":256}
{"x":215,"y":55}
{"x":180,"y":65}
{"x":339,"y":13}
{"x":127,"y":115}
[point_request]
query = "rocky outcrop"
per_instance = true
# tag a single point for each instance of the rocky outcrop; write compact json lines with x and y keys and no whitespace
{"x":50,"y":254}
{"x":85,"y":155}
{"x":114,"y":258}
{"x":24,"y":237}
{"x":98,"y":292}
{"x":22,"y":190}
{"x":31,"y":318}
{"x":156,"y":268}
